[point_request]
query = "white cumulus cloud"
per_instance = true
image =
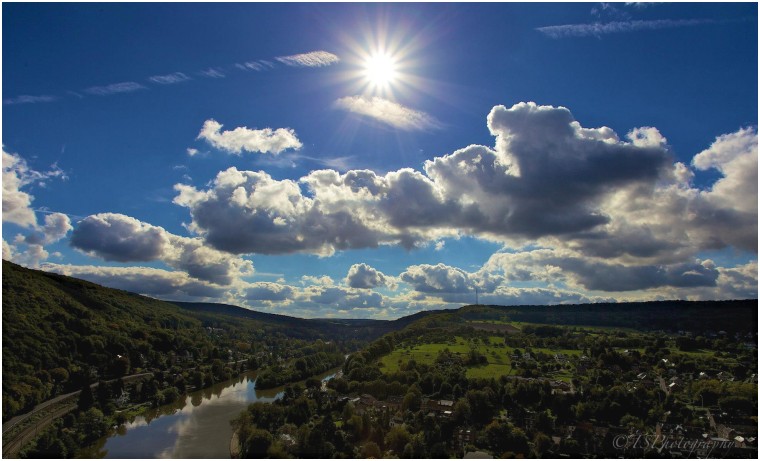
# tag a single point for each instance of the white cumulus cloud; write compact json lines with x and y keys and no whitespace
{"x":242,"y":139}
{"x":364,"y":276}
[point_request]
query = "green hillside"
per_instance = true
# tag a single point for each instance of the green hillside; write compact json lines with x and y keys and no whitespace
{"x":59,"y":332}
{"x":700,"y":316}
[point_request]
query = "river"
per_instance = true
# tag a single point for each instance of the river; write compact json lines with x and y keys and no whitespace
{"x":196,"y":426}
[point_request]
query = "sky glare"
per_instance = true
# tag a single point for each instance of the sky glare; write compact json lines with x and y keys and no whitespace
{"x":374,"y":160}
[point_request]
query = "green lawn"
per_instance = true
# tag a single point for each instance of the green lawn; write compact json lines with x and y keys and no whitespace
{"x":599,"y":328}
{"x":491,"y":370}
{"x":496,"y":352}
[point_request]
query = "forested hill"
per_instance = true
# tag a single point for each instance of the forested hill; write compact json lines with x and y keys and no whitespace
{"x":295,"y":326}
{"x":696,"y":316}
{"x":325,"y":328}
{"x":59,"y":332}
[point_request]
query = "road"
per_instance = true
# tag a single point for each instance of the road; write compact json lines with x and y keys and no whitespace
{"x":17,"y":441}
{"x":8,"y":425}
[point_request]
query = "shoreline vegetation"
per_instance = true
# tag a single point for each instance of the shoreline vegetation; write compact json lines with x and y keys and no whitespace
{"x":124,"y":415}
{"x":62,"y":335}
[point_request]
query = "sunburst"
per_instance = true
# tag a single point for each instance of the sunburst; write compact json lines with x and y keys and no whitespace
{"x":380,"y":69}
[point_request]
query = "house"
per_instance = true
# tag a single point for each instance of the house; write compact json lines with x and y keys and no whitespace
{"x":393,"y":402}
{"x":397,"y":421}
{"x":560,"y":387}
{"x":464,"y":436}
{"x":438,"y":406}
{"x":363,"y":403}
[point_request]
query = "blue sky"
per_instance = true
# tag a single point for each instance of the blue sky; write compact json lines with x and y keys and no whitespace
{"x":253,"y":154}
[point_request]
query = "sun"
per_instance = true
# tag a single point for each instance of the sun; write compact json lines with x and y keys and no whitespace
{"x":380,"y":69}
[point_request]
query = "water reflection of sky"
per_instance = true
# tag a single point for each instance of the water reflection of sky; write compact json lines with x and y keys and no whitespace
{"x":198,"y":427}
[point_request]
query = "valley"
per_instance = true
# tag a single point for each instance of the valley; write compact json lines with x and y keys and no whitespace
{"x":572,"y":380}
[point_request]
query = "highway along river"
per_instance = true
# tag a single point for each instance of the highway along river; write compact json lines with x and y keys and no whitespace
{"x":197,"y":426}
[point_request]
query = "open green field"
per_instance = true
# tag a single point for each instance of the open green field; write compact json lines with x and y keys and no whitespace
{"x":588,"y":328}
{"x":496,"y":352}
{"x":703,"y":353}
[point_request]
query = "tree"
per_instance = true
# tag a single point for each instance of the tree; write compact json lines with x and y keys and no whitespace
{"x":121,"y":366}
{"x":371,"y":450}
{"x":92,"y":424}
{"x":59,"y":375}
{"x":411,"y":402}
{"x":257,"y":443}
{"x":396,"y":439}
{"x":480,"y":404}
{"x":545,"y":421}
{"x":541,"y":444}
{"x":86,"y":399}
{"x":415,"y":449}
{"x":103,"y":392}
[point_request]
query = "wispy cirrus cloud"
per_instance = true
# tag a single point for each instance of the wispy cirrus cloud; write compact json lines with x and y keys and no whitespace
{"x":597,"y":29}
{"x":258,"y":66}
{"x":311,"y":59}
{"x":212,"y":72}
{"x":114,"y":88}
{"x":388,"y":112}
{"x":169,"y":79}
{"x":29,"y":99}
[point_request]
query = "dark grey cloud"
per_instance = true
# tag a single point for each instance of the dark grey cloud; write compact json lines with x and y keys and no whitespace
{"x":267,"y":291}
{"x":57,"y":225}
{"x":250,"y":212}
{"x":616,"y":277}
{"x":513,"y":296}
{"x":597,"y":274}
{"x":148,"y":281}
{"x":116,"y":237}
{"x":342,"y":298}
